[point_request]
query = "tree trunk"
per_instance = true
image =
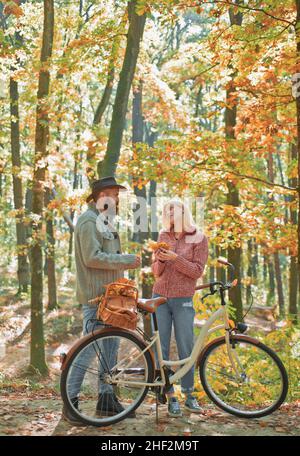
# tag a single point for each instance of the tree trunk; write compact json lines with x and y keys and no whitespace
{"x":276,"y":255}
{"x":235,"y":257}
{"x":235,"y":253}
{"x":293,"y":282}
{"x":271,"y":291}
{"x":134,"y":36}
{"x":111,"y":73}
{"x":297,"y":32}
{"x":104,"y":102}
{"x":137,"y":137}
{"x":37,"y":349}
{"x":255,"y":262}
{"x":75,"y":186}
{"x":28,"y":210}
{"x":106,"y":95}
{"x":293,"y":277}
{"x":286,"y":197}
{"x":249,"y":272}
{"x":50,"y":257}
{"x":265,"y":268}
{"x":23,"y":265}
{"x":212,"y":276}
{"x":150,"y":138}
{"x":221,"y":275}
{"x":141,"y":235}
{"x":279,"y":284}
{"x":153,"y":205}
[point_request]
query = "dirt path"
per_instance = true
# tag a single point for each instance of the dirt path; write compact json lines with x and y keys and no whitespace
{"x":38,"y":414}
{"x":33,"y":407}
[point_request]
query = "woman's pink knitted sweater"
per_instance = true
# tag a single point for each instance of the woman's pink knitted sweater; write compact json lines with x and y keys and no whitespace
{"x":178,"y":278}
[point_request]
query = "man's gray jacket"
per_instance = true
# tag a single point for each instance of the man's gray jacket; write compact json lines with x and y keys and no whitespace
{"x":99,"y":261}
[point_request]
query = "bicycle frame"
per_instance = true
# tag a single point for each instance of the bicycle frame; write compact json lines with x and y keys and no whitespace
{"x":186,"y":363}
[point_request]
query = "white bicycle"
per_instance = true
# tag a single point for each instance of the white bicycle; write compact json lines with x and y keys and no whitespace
{"x":238,"y":373}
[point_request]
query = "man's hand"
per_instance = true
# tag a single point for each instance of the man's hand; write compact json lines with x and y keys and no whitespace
{"x":135,"y":264}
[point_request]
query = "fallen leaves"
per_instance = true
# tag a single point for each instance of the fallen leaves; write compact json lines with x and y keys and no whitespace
{"x":263,"y":424}
{"x":280,"y":429}
{"x":9,"y":431}
{"x":106,"y":428}
{"x":160,"y":427}
{"x":37,"y":414}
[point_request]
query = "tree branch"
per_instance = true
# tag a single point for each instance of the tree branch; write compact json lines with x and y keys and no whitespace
{"x":245,"y":176}
{"x":245,"y":7}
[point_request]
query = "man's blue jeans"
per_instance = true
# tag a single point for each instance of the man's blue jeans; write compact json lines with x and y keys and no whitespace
{"x":181,"y":313}
{"x":106,"y":350}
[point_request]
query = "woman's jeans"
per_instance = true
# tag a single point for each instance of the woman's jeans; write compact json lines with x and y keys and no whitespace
{"x":181,"y":313}
{"x":106,"y":350}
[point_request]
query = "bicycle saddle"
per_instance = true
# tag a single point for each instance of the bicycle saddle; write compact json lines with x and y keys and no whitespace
{"x":150,"y":305}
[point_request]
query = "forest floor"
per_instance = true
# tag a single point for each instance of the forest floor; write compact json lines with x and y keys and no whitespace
{"x":32,"y":405}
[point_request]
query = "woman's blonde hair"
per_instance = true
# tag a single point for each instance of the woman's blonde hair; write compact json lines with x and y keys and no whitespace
{"x":185,"y":223}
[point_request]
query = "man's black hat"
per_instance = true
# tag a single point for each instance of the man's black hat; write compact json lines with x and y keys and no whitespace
{"x":101,"y":184}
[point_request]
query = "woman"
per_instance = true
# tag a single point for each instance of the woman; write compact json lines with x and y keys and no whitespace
{"x":176,"y":272}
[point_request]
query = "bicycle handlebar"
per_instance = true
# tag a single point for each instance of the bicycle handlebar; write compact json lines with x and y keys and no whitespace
{"x":207,"y":285}
{"x":230,"y":284}
{"x":211,"y":284}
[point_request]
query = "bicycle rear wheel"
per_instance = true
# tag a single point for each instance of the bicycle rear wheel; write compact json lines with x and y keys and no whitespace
{"x":96,"y":382}
{"x":258,"y":387}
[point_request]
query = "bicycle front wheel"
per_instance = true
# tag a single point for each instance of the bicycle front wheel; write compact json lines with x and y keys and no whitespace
{"x":102,"y":381}
{"x":251,"y":384}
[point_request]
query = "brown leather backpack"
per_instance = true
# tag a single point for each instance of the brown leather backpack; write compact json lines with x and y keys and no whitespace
{"x":118,"y":306}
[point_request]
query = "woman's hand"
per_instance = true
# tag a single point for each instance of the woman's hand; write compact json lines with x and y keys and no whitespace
{"x":165,"y":255}
{"x":157,"y":255}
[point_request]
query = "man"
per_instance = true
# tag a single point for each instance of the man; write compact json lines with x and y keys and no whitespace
{"x":99,"y":261}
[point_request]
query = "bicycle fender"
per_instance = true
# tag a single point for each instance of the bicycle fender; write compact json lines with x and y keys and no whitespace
{"x":102,"y":331}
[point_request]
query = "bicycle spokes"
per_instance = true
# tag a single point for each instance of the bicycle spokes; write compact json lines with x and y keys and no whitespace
{"x":105,"y":378}
{"x":251,"y":383}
